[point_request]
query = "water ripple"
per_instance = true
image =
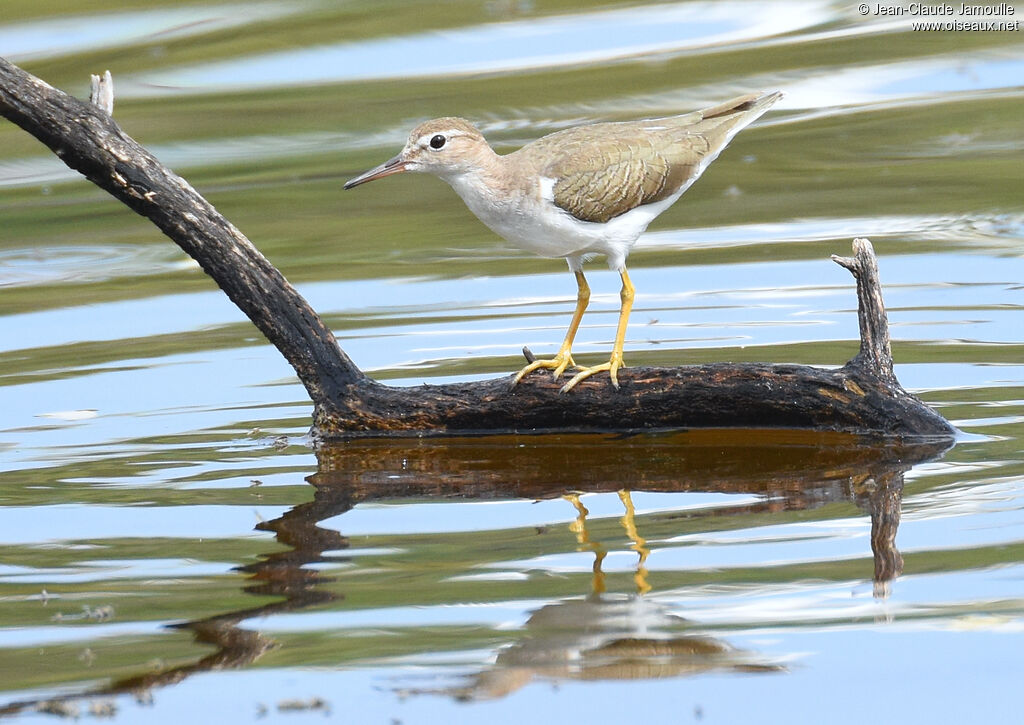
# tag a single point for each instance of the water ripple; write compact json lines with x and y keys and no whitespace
{"x":560,"y":40}
{"x":64,"y":35}
{"x":85,"y":264}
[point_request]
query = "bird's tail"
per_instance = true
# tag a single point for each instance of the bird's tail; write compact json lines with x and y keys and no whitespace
{"x":751,"y":104}
{"x":720,"y":123}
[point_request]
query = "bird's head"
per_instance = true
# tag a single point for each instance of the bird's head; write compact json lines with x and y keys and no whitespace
{"x":445,"y":147}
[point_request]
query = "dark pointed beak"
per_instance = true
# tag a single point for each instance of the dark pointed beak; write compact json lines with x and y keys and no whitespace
{"x":389,"y":167}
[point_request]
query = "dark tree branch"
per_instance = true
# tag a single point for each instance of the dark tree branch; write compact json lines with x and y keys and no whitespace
{"x":862,"y":397}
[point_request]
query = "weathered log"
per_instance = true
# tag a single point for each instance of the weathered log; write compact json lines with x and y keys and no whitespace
{"x":862,"y":397}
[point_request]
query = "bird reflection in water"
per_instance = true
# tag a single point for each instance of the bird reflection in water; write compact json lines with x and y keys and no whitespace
{"x":605,"y":636}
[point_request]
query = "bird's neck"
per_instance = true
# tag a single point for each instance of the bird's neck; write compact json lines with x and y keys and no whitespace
{"x":490,"y":179}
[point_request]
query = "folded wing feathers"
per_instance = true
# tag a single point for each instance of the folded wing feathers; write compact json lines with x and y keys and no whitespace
{"x":605,"y":170}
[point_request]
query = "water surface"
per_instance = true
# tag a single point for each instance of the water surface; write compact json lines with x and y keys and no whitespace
{"x":172,"y":547}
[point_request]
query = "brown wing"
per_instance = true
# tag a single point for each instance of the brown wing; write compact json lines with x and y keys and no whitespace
{"x":607,"y":169}
{"x":599,"y":181}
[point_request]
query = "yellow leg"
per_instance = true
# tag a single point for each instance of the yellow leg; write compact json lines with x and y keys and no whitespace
{"x":563,"y":359}
{"x":615,"y":362}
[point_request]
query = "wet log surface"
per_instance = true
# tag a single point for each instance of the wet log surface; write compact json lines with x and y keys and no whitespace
{"x":862,"y":397}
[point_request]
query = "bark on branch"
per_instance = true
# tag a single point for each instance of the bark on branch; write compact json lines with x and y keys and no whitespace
{"x":862,"y":397}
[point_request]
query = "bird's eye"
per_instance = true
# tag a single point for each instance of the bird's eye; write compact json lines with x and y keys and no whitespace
{"x":437,"y":142}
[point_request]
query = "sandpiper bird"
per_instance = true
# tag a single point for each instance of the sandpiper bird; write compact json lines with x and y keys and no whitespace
{"x":575,"y":193}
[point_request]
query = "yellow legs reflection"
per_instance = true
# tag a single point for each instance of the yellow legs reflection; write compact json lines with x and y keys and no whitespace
{"x":579,"y":527}
{"x":639,"y":544}
{"x":628,"y":521}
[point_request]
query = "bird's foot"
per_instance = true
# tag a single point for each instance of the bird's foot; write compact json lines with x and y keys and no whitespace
{"x":612,"y":366}
{"x":558,"y":363}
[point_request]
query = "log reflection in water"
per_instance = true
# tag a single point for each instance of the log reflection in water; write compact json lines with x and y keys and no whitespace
{"x":620,"y":636}
{"x":628,"y":636}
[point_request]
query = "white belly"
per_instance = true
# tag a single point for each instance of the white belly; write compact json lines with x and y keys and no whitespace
{"x":535,"y":224}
